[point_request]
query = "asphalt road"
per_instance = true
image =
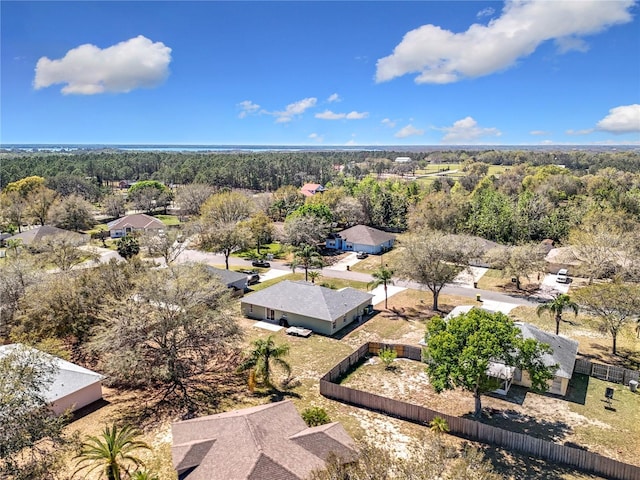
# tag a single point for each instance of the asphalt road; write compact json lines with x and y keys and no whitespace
{"x":218,"y":260}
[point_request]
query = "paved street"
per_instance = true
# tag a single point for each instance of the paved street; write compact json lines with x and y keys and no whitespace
{"x":462,"y":290}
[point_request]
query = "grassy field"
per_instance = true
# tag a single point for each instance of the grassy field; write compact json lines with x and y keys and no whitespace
{"x":169,"y":220}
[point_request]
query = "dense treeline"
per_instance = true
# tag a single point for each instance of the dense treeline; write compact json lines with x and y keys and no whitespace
{"x":268,"y":171}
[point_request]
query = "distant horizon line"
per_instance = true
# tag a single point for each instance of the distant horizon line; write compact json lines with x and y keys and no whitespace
{"x":5,"y":146}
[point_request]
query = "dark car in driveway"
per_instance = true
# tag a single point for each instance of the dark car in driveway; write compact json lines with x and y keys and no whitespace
{"x":260,"y":263}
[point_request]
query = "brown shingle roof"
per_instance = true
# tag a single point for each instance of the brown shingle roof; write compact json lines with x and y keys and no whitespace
{"x":265,"y":442}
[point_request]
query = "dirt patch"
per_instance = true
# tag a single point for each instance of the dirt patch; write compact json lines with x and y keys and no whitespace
{"x":542,"y":416}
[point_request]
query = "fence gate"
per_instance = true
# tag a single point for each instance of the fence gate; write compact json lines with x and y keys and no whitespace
{"x":608,"y":373}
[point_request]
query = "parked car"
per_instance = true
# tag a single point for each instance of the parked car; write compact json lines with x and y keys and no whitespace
{"x":361,"y":255}
{"x":260,"y":263}
{"x":252,"y":276}
{"x":562,"y":276}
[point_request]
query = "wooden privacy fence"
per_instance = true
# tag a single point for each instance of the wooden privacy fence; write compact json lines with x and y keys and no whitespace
{"x":609,"y":373}
{"x":463,"y":427}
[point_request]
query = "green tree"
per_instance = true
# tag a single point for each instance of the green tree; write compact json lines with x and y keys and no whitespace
{"x":307,"y":257}
{"x":382,"y":276}
{"x":556,"y":307}
{"x":434,"y":259}
{"x":149,"y":195}
{"x":459,"y":352}
{"x":40,"y":200}
{"x":614,"y":305}
{"x":313,"y":275}
{"x":128,"y":246}
{"x":225,"y":238}
{"x":29,"y":427}
{"x":264,"y":355}
{"x":261,"y":228}
{"x":113,"y":452}
{"x":315,"y":416}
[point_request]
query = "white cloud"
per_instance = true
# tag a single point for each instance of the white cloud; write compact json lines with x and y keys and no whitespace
{"x":329,"y":115}
{"x":295,"y":109}
{"x":442,"y":56}
{"x":334,"y":98}
{"x":88,"y":70}
{"x":247,"y":107}
{"x":316,"y":137}
{"x":409,"y":131}
{"x":467,"y":131}
{"x":585,"y":131}
{"x":623,"y":119}
{"x":485,"y":12}
{"x":388,"y":122}
{"x":538,"y":132}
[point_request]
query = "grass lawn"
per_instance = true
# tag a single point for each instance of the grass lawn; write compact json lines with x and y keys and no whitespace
{"x":494,"y":280}
{"x":169,"y":220}
{"x":278,"y":250}
{"x":373,"y":262}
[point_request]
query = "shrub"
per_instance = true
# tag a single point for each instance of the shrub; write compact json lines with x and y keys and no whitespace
{"x":387,"y":355}
{"x":315,"y":416}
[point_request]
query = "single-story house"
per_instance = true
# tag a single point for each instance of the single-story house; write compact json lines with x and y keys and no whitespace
{"x":403,"y":159}
{"x":564,"y":355}
{"x":237,"y":281}
{"x":73,"y":386}
{"x":131,"y":223}
{"x":265,"y":442}
{"x":564,"y":352}
{"x":310,"y":189}
{"x":361,"y":238}
{"x":304,"y":304}
{"x":39,"y":234}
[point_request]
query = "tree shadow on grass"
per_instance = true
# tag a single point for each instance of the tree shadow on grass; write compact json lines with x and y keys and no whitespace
{"x":524,"y":467}
{"x":577,"y":389}
{"x":514,"y":421}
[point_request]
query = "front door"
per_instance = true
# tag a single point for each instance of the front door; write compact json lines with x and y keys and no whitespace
{"x":271,"y":314}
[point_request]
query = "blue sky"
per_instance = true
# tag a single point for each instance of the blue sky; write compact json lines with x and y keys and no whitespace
{"x":320,"y":73}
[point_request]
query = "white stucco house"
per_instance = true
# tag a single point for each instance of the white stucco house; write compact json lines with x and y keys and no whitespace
{"x":73,"y":386}
{"x":361,"y":238}
{"x":139,"y":222}
{"x":564,"y":352}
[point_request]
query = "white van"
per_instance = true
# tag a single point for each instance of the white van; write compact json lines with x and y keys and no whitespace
{"x":562,"y":276}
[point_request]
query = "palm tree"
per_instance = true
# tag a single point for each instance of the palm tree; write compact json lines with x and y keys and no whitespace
{"x":112,"y":452}
{"x":264,"y":354}
{"x":382,"y":276}
{"x":439,"y":425}
{"x":306,"y":257}
{"x":557,"y":306}
{"x":313,"y":275}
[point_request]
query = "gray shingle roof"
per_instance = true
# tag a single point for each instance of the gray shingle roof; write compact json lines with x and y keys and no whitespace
{"x":138,"y":221}
{"x":227,"y":277}
{"x":304,"y":298}
{"x":564,"y":349}
{"x":69,"y":377}
{"x":365,"y":235}
{"x":265,"y":442}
